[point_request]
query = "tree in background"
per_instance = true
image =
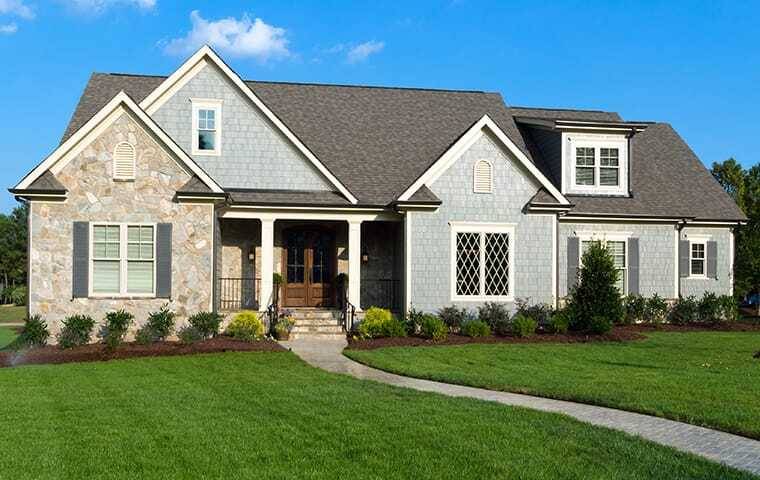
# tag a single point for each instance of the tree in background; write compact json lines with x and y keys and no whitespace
{"x":13,"y":241}
{"x":744,"y":187}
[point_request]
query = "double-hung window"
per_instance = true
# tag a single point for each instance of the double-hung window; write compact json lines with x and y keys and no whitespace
{"x":618,"y":250}
{"x":585,"y":166}
{"x":697,"y":259}
{"x":123,"y":260}
{"x":207,"y":123}
{"x":482,"y":264}
{"x":597,"y":166}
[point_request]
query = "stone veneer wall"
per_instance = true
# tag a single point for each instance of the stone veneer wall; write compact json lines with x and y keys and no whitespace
{"x":95,"y":197}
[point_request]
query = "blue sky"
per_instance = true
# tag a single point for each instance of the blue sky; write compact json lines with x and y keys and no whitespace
{"x":693,"y":64}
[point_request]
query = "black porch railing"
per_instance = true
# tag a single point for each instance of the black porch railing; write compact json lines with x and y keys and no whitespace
{"x":381,"y":292}
{"x":238,"y":293}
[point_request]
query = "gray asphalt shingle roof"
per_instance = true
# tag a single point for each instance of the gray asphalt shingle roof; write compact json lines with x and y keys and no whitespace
{"x":287,"y":197}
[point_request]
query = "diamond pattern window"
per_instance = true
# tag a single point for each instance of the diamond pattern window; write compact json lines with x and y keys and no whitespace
{"x":482,"y":265}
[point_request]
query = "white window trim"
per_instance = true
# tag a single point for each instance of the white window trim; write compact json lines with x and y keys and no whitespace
{"x":207,"y":104}
{"x":703,"y":241}
{"x":123,"y":246}
{"x":482,"y":228}
{"x":571,"y":141}
{"x":475,"y":176}
{"x":604,"y":238}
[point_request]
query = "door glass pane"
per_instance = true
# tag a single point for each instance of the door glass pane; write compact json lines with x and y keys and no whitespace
{"x":320,"y":262}
{"x":295,"y":254}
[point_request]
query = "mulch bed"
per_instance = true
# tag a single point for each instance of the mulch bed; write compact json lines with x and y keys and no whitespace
{"x":96,"y":352}
{"x":625,"y":333}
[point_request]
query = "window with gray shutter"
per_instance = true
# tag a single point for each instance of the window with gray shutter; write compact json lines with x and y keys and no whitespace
{"x":712,"y":259}
{"x":80,"y":263}
{"x":573,"y":256}
{"x":164,"y":260}
{"x":683,"y":258}
{"x":633,"y":266}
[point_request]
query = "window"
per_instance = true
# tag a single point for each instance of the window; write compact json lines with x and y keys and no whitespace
{"x":207,"y":131}
{"x":617,"y":249}
{"x":609,"y":165}
{"x":585,"y":171}
{"x":124,"y":161}
{"x":698,"y":257}
{"x":588,"y":170}
{"x":482,"y":263}
{"x":123,"y":259}
{"x":483,"y":177}
{"x":594,"y":163}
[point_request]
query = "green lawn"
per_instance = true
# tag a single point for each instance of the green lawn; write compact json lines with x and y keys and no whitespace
{"x":705,"y":378}
{"x":269,"y":415}
{"x":7,"y":335}
{"x":12,"y":314}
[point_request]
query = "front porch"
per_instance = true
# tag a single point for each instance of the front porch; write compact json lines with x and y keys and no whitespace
{"x":312,"y":253}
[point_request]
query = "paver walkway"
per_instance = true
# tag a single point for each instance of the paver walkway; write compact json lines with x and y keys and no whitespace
{"x":732,"y":450}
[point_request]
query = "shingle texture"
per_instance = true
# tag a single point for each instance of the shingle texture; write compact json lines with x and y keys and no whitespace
{"x":46,"y":183}
{"x":287,"y":197}
{"x":565,"y":114}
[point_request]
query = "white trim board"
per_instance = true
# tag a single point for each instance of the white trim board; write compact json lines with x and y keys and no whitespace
{"x":466,"y":141}
{"x":118,"y":105}
{"x":194,"y":65}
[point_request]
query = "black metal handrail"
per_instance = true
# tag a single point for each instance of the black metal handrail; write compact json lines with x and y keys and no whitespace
{"x":238,"y":293}
{"x":348,"y":316}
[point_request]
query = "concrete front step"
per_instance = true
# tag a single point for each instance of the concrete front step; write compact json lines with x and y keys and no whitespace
{"x":299,"y":328}
{"x":317,"y":336}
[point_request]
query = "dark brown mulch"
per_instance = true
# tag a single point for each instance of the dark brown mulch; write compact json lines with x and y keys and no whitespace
{"x":694,"y":327}
{"x":96,"y":352}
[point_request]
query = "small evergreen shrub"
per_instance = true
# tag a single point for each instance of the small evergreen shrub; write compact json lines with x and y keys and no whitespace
{"x":684,"y":311}
{"x":600,"y":325}
{"x":246,"y":326}
{"x":115,"y":328}
{"x":35,"y":332}
{"x":455,"y":317}
{"x":189,"y":335}
{"x":159,"y":326}
{"x":207,"y":323}
{"x":656,"y":310}
{"x":729,"y":309}
{"x":560,"y":322}
{"x":433,"y":328}
{"x":496,"y":316}
{"x":523,"y":325}
{"x":475,"y":328}
{"x":634,"y":305}
{"x":76,"y":331}
{"x":413,"y":321}
{"x":539,"y":312}
{"x":709,"y":308}
{"x":379,"y":322}
{"x":596,"y":294}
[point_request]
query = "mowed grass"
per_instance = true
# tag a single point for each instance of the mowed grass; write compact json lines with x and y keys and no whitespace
{"x":269,"y":415}
{"x":12,"y":314}
{"x":7,"y":335}
{"x":704,"y":378}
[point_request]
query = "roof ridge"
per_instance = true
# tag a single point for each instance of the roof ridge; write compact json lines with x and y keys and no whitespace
{"x":561,"y":109}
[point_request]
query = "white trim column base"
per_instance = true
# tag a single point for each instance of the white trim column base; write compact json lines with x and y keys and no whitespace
{"x":267,"y":263}
{"x":354,"y":262}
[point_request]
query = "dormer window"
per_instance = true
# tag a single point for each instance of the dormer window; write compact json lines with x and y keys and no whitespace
{"x":207,"y":127}
{"x":596,"y":163}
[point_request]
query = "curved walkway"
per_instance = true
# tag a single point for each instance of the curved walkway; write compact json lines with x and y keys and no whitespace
{"x":732,"y":450}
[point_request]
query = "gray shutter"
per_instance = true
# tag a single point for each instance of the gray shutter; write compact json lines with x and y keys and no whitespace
{"x":573,"y":252}
{"x":164,"y":260}
{"x":683,"y":258}
{"x":81,"y":260}
{"x":712,"y":259}
{"x":633,"y":266}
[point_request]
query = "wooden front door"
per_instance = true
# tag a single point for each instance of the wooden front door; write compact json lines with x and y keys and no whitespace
{"x":308,"y":264}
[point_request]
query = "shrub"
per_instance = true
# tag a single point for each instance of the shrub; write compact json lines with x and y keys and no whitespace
{"x":189,"y":334}
{"x":18,"y":296}
{"x":539,"y":312}
{"x":379,"y":322}
{"x":76,"y":331}
{"x":160,"y":325}
{"x":729,"y":309}
{"x":115,"y":328}
{"x":708,"y":308}
{"x":475,"y":328}
{"x":413,"y":321}
{"x":600,"y":325}
{"x":433,"y":327}
{"x":560,"y":322}
{"x":35,"y":332}
{"x":684,"y":311}
{"x":496,"y":316}
{"x":207,"y":323}
{"x":523,"y":325}
{"x":455,"y":317}
{"x":635,"y":306}
{"x":246,"y":326}
{"x":656,"y":310}
{"x":596,"y":293}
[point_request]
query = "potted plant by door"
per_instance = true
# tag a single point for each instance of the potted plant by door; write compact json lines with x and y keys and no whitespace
{"x":283,"y":327}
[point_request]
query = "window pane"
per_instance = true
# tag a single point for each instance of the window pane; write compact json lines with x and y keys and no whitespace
{"x":112,"y":250}
{"x":210,"y":114}
{"x":468,"y":263}
{"x":617,"y":249}
{"x":621,"y":281}
{"x":698,"y":250}
{"x":497,"y":264}
{"x":99,"y":233}
{"x":105,"y":276}
{"x":146,"y":251}
{"x":697,"y":267}
{"x":584,"y":156}
{"x":608,"y":157}
{"x":206,"y":140}
{"x":133,"y":234}
{"x":139,"y":277}
{"x":133,"y":251}
{"x":608,"y":176}
{"x":146,"y":234}
{"x":584,"y":176}
{"x":99,"y":250}
{"x":112,"y":234}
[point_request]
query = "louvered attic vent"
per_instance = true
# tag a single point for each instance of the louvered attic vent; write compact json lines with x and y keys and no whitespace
{"x":124,"y":161}
{"x":483,"y":177}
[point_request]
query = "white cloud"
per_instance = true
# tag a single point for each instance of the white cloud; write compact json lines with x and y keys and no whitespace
{"x":360,"y":52}
{"x":95,"y":7}
{"x":242,"y":38}
{"x":16,"y":7}
{"x":8,"y":29}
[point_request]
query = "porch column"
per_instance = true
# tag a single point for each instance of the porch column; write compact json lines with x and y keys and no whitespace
{"x":354,"y":262}
{"x":267,"y":262}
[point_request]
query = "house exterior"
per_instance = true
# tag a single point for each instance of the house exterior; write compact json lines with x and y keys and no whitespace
{"x":194,"y":189}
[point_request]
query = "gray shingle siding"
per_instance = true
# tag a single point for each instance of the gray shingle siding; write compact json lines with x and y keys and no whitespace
{"x":720,"y":285}
{"x":254,"y":154}
{"x":431,"y":232}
